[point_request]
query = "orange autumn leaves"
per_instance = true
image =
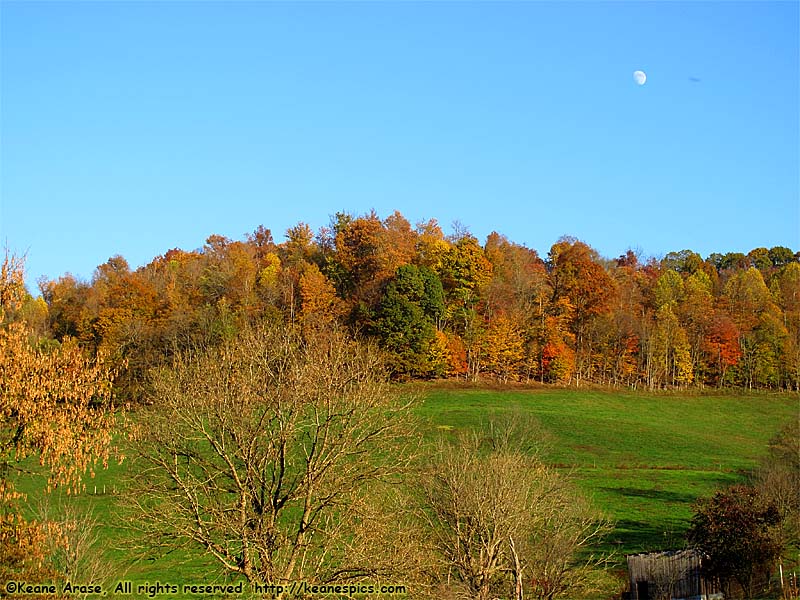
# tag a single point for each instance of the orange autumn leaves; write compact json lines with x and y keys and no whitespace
{"x":53,"y":398}
{"x":506,"y":313}
{"x":54,"y":406}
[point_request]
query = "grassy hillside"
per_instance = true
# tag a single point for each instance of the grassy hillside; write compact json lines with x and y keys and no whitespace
{"x":643,"y":458}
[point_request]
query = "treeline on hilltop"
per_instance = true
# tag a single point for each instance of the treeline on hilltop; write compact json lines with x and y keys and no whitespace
{"x":447,"y":306}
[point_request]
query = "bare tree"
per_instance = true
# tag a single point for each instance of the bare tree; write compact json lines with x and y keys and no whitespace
{"x":72,"y":542}
{"x":778,"y":479}
{"x":505,"y":523}
{"x":267,"y":454}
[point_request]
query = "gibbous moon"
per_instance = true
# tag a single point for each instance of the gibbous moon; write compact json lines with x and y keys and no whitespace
{"x":639,"y":77}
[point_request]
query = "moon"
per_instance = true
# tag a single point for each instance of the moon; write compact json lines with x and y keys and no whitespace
{"x":640,"y":77}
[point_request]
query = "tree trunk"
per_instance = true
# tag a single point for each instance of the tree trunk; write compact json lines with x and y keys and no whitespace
{"x":517,"y":570}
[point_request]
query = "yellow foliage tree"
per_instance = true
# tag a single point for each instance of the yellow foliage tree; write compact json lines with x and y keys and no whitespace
{"x":672,"y":352}
{"x":504,"y":346}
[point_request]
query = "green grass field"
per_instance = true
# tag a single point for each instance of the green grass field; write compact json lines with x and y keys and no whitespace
{"x":642,"y":458}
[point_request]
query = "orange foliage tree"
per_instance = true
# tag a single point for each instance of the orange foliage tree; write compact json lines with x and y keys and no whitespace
{"x":583,"y":290}
{"x":731,"y":319}
{"x":54,"y":405}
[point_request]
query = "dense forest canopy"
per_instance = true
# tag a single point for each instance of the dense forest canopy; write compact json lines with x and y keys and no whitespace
{"x":449,"y":306}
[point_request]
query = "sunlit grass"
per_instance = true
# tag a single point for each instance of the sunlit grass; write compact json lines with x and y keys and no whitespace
{"x":642,"y":458}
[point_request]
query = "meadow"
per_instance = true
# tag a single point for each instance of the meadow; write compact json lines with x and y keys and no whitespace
{"x":642,"y":458}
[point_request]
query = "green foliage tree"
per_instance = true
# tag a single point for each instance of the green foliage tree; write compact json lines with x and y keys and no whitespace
{"x":685,"y":261}
{"x":730,"y":261}
{"x":760,"y":259}
{"x":781,"y":256}
{"x":405,"y":321}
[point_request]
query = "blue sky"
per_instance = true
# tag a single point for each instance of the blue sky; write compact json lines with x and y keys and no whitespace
{"x":134,"y":127}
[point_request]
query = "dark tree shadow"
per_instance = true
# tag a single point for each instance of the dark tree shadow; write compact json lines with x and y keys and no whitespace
{"x":653,"y":494}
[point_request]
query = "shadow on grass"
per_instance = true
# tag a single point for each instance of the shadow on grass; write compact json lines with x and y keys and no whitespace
{"x":653,"y":494}
{"x":632,"y":537}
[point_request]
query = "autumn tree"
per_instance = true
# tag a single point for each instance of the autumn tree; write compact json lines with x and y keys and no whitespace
{"x":762,"y":332}
{"x":361,"y":251}
{"x":670,"y":350}
{"x":504,"y":347}
{"x":582,"y":290}
{"x":299,"y":245}
{"x":54,"y":400}
{"x":262,"y":242}
{"x":747,"y":296}
{"x":464,"y":272}
{"x":54,"y":405}
{"x":266,"y":453}
{"x":732,"y":319}
{"x":519,"y":278}
{"x":320,"y":306}
{"x":619,"y":332}
{"x":232,"y":271}
{"x":786,"y":292}
{"x":515,"y":300}
{"x":69,"y":308}
{"x":669,"y":289}
{"x":400,"y":241}
{"x":557,"y":354}
{"x":181,"y":317}
{"x":760,"y":259}
{"x":672,"y":359}
{"x":431,"y":245}
{"x":695,"y":315}
{"x":125,"y":325}
{"x":465,"y":269}
{"x":738,"y":531}
{"x":283,"y":273}
{"x":722,"y":345}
